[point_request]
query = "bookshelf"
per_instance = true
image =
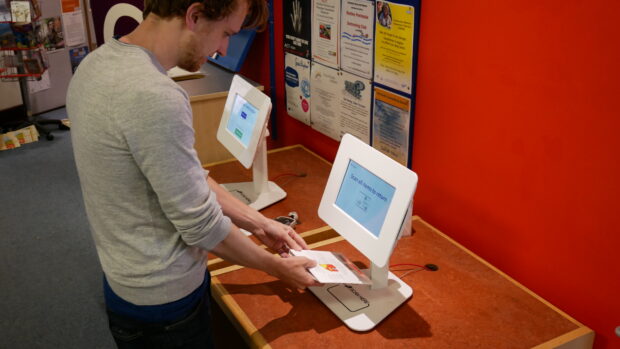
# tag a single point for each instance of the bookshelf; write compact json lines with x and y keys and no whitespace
{"x":23,"y":56}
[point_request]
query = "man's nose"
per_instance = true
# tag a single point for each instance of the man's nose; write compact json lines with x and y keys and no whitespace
{"x":223,"y":48}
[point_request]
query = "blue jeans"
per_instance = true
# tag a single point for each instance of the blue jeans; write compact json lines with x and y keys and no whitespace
{"x":194,"y":331}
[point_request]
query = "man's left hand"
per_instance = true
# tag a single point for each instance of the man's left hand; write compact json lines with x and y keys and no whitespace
{"x":280,"y":237}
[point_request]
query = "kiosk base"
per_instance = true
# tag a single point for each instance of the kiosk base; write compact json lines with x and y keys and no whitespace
{"x":245,"y":192}
{"x":360,"y":307}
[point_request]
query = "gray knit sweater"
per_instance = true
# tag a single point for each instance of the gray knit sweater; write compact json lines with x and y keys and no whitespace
{"x":148,"y":203}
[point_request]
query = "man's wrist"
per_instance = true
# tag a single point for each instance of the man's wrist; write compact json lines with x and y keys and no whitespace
{"x":272,"y":265}
{"x":262,"y":225}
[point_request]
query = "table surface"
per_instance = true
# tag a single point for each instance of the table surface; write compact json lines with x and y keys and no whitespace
{"x":216,"y":81}
{"x":286,"y":165}
{"x":467,"y":303}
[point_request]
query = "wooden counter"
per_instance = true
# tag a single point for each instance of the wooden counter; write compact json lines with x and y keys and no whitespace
{"x":299,"y":172}
{"x":467,"y":303}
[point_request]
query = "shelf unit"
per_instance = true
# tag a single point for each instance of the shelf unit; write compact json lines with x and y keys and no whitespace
{"x":22,"y":55}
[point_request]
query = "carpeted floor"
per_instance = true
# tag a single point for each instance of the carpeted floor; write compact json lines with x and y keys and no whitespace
{"x":50,"y":278}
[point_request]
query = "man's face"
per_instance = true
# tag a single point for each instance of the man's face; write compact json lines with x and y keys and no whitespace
{"x":209,"y":37}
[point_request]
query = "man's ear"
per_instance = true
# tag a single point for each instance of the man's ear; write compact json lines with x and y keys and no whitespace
{"x":193,"y":13}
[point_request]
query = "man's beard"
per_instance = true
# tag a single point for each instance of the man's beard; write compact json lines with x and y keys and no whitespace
{"x":190,"y":58}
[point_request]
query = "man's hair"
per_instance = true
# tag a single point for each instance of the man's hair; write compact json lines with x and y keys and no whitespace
{"x":213,"y":10}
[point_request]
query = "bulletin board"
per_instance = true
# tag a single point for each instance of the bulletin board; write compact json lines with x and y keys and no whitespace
{"x":350,"y":67}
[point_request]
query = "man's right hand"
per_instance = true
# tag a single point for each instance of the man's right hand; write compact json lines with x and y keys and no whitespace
{"x":238,"y":249}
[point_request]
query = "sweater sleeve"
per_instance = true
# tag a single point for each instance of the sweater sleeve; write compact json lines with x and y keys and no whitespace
{"x":160,"y":137}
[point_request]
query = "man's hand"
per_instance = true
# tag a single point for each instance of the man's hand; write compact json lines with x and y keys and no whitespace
{"x":279,"y":237}
{"x":238,"y":249}
{"x":275,"y":235}
{"x":293,"y":271}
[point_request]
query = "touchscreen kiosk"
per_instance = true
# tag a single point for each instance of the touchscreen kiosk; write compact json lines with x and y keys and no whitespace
{"x":367,"y":200}
{"x":242,"y":130}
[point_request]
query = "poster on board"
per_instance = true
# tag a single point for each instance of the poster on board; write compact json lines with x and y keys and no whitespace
{"x":73,"y":22}
{"x":394,"y":45}
{"x":297,"y":27}
{"x":76,"y":55}
{"x":325,"y":32}
{"x":355,"y":106}
{"x":326,"y":95}
{"x":70,"y":5}
{"x":52,"y":33}
{"x":297,"y":79}
{"x":356,"y":37}
{"x":391,"y":124}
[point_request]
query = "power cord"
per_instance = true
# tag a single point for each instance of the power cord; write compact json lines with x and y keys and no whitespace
{"x":427,"y":267}
{"x":302,"y":174}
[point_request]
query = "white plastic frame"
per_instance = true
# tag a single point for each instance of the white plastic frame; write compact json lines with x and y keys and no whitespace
{"x":377,"y":249}
{"x":262,"y":103}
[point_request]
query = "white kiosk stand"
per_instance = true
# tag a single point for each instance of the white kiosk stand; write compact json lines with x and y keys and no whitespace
{"x":368,"y":200}
{"x":243,"y":131}
{"x":261,"y":192}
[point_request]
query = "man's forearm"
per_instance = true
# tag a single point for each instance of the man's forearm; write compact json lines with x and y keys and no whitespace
{"x":238,"y":249}
{"x":241,"y":214}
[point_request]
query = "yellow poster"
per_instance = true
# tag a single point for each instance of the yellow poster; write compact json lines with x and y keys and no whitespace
{"x":394,"y":45}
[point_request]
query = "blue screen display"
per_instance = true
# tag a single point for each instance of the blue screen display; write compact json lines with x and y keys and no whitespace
{"x":242,"y":119}
{"x":365,"y":197}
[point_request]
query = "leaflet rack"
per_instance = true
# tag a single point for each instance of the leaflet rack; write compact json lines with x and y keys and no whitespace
{"x":22,"y":55}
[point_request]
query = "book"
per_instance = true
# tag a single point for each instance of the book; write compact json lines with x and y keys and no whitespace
{"x":33,"y":66}
{"x":9,"y":61}
{"x":333,"y":268}
{"x":20,"y":11}
{"x":36,"y":8}
{"x":5,"y":12}
{"x":7,"y":38}
{"x":25,"y":35}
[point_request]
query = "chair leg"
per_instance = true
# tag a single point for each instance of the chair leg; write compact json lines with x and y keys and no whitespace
{"x":44,"y":131}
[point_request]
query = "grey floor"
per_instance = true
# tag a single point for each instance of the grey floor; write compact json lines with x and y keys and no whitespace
{"x":50,"y":278}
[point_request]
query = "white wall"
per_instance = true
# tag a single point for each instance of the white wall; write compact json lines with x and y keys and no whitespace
{"x":10,"y":95}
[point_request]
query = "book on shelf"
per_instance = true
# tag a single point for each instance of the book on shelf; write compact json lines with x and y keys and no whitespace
{"x":20,"y":11}
{"x":7,"y":38}
{"x":5,"y":12}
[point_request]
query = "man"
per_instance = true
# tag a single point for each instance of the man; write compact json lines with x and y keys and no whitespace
{"x":151,"y":210}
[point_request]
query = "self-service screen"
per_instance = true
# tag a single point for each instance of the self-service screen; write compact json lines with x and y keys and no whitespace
{"x":242,"y":120}
{"x":365,"y":197}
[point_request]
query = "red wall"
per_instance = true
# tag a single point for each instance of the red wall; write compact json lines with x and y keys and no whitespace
{"x":516,"y":146}
{"x":518,"y":106}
